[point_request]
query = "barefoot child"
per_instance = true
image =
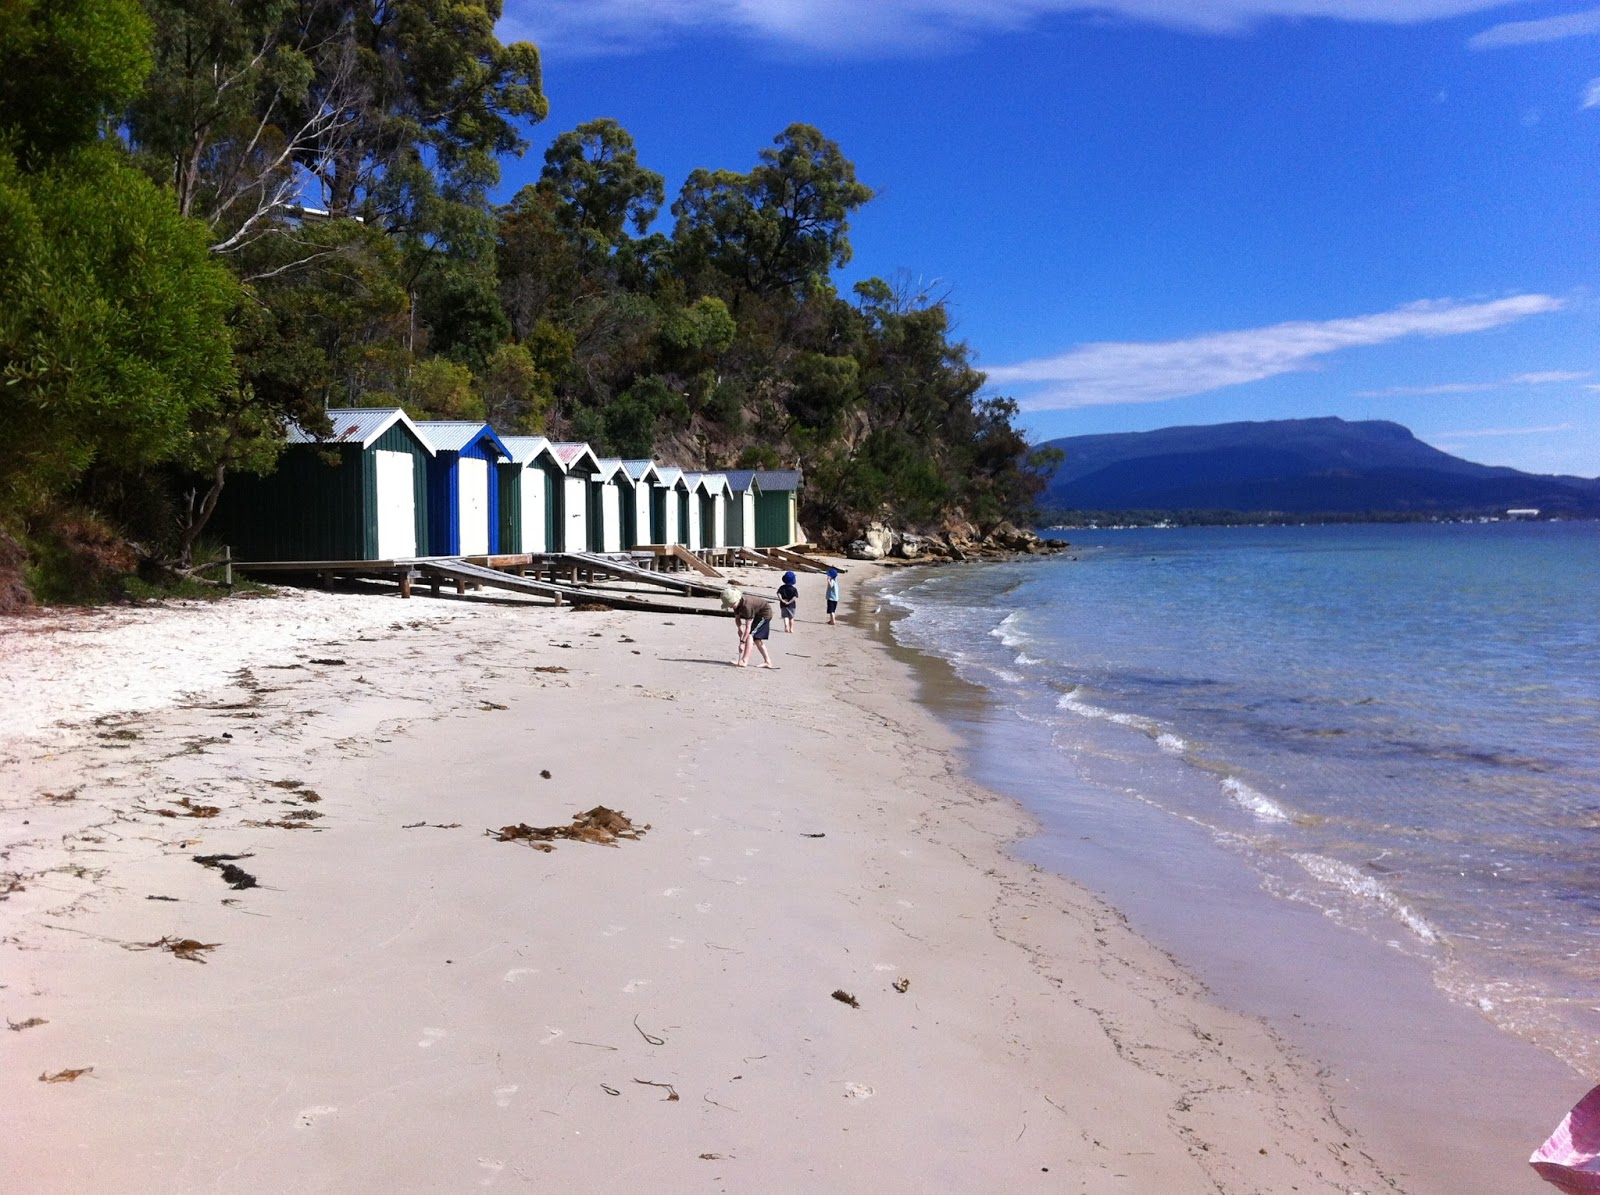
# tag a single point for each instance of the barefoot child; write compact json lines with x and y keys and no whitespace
{"x":752,"y":619}
{"x":833,"y":596}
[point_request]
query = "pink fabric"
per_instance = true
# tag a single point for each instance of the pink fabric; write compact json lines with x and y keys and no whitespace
{"x":1571,"y":1158}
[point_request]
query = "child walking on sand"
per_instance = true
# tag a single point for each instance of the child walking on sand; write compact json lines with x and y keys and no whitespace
{"x":788,"y":598}
{"x":833,"y":596}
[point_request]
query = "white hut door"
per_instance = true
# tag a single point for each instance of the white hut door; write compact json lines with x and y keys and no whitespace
{"x":397,"y":505}
{"x":641,"y":516}
{"x":533,"y":511}
{"x":611,"y":517}
{"x":472,"y":475}
{"x":719,"y":522}
{"x":747,"y":520}
{"x":694,"y":544}
{"x":575,"y":535}
{"x":671,"y":529}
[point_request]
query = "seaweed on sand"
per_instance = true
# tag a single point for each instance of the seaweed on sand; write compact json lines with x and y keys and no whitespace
{"x":601,"y":826}
{"x":185,"y":948}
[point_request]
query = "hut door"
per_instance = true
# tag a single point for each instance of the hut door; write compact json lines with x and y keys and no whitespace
{"x":533,"y":511}
{"x":610,"y":517}
{"x":397,"y":505}
{"x":575,"y":535}
{"x":473,"y":477}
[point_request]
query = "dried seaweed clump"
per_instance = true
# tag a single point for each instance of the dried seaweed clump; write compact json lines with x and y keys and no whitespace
{"x":600,"y":825}
{"x":185,"y":948}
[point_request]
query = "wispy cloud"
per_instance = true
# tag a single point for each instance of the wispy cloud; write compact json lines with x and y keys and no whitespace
{"x":1492,"y":432}
{"x":1527,"y":33}
{"x":1545,"y":378}
{"x":1106,"y":374}
{"x":1591,"y":95}
{"x":875,"y":27}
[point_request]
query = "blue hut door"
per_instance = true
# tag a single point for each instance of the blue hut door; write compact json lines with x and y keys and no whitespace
{"x":397,"y":505}
{"x":533,"y":511}
{"x":473,"y":479}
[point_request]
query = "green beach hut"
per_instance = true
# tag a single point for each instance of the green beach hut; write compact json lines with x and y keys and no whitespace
{"x":529,"y":481}
{"x":578,"y":465}
{"x":640,"y":483}
{"x":360,"y":493}
{"x":777,"y":507}
{"x":741,"y":521}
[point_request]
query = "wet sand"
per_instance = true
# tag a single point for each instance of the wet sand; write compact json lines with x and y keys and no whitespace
{"x":401,"y":1002}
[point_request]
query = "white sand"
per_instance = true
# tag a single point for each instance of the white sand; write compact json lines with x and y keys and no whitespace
{"x":419,"y":1007}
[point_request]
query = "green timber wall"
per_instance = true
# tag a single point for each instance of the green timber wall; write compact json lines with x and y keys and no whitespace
{"x":511,"y":506}
{"x":775,"y":521}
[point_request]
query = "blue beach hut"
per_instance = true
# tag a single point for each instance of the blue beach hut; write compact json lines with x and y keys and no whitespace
{"x":463,"y":487}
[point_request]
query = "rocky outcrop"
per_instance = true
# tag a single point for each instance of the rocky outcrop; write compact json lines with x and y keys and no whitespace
{"x":958,"y":540}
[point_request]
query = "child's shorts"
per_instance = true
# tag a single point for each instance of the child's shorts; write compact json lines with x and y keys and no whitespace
{"x":761,"y":628}
{"x":833,"y":605}
{"x":786,"y":609}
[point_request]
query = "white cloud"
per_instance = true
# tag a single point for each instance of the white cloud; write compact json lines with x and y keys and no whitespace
{"x":1591,"y":95}
{"x":1106,"y":374}
{"x":1526,"y":33}
{"x":1480,"y":433}
{"x":1545,"y":378}
{"x":892,"y":26}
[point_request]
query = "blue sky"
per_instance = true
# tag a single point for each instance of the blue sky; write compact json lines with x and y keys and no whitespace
{"x":1159,"y":212}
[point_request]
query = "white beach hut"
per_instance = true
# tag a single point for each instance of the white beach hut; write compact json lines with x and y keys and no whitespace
{"x":640,"y":484}
{"x":578,"y":464}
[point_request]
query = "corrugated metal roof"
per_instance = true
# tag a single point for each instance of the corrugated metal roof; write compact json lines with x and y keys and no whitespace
{"x":713,"y":483}
{"x":610,"y":466}
{"x":452,"y":435}
{"x":741,"y":480}
{"x":525,"y":449}
{"x":357,"y":425}
{"x":778,"y":479}
{"x":642,"y":470}
{"x":671,"y":476}
{"x":571,"y":453}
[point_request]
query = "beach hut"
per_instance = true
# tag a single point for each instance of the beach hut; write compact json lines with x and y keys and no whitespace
{"x":529,"y":480}
{"x":777,"y":508}
{"x":668,"y":516}
{"x":359,"y":493}
{"x":691,"y":524}
{"x":640,"y":483}
{"x":463,"y":487}
{"x":578,"y":464}
{"x":605,"y":506}
{"x":742,"y":491}
{"x":714,"y":510}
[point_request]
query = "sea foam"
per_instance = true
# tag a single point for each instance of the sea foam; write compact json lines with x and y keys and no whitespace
{"x":1364,"y":888}
{"x":1247,"y":798}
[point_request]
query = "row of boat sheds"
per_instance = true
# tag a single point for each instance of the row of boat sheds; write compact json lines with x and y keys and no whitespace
{"x":385,"y":495}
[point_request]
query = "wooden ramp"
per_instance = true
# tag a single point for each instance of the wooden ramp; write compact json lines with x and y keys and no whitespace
{"x":677,"y":583}
{"x":679,"y":552}
{"x":463,"y":574}
{"x":796,"y":561}
{"x":751,"y":556}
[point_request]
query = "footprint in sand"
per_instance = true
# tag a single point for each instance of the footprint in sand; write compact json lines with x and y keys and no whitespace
{"x":502,"y":1095}
{"x":703,"y":860}
{"x":752,"y":850}
{"x":635,"y":984}
{"x":612,"y":931}
{"x":309,"y":1116}
{"x":905,"y":904}
{"x":517,"y":973}
{"x":674,"y":943}
{"x":493,"y":1167}
{"x":554,"y":1034}
{"x":429,"y":1036}
{"x":858,"y":1091}
{"x":671,"y":892}
{"x":885,"y":967}
{"x":703,"y":907}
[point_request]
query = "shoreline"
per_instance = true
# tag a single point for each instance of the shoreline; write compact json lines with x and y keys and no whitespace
{"x":404,"y":1002}
{"x":1391,"y":1039}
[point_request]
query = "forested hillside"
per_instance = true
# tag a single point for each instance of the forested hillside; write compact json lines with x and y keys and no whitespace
{"x":218,"y":216}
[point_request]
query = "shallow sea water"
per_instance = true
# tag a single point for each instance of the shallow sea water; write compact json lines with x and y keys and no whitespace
{"x":1397,"y":727}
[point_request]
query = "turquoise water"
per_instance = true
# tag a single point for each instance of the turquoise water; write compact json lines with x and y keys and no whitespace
{"x":1398,"y":725}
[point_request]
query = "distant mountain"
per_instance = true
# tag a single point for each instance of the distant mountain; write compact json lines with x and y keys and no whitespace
{"x":1298,"y":466}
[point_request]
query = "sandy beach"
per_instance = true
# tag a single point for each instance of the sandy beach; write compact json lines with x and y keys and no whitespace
{"x":814,"y":966}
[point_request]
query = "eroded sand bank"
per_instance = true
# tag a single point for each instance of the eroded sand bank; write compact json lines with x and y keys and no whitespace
{"x":404,"y":1003}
